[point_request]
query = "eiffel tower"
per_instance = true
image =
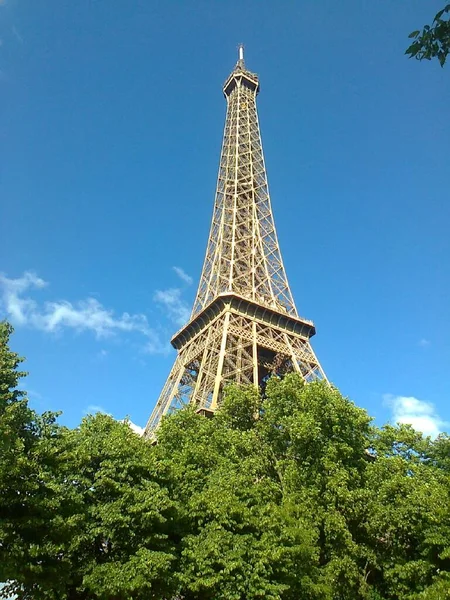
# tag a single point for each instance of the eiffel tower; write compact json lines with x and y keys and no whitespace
{"x":244,"y":325}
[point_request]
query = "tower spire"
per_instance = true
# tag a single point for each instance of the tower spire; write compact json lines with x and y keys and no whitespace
{"x":241,"y":56}
{"x":244,"y":325}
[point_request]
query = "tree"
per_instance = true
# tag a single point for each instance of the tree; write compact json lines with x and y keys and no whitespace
{"x":123,"y":545}
{"x":433,"y":41}
{"x":319,"y":439}
{"x":98,"y":524}
{"x":408,"y":516}
{"x":85,"y":514}
{"x":17,"y":420}
{"x":271,"y":493}
{"x":238,"y":538}
{"x":293,"y":494}
{"x":297,"y":496}
{"x":20,"y":432}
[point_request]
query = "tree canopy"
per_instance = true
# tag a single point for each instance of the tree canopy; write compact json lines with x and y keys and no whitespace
{"x":434,"y":40}
{"x":291,"y":495}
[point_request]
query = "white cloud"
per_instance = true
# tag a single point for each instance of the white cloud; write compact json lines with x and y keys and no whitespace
{"x":183,"y":275}
{"x":135,"y":428}
{"x":18,"y":308}
{"x":177,"y":309}
{"x":154,"y":345}
{"x":87,"y":314}
{"x":424,"y":343}
{"x":17,"y":34}
{"x":418,"y":413}
{"x":92,"y":409}
{"x":84,"y":315}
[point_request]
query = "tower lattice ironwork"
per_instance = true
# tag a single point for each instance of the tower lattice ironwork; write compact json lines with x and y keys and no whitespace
{"x":244,"y":325}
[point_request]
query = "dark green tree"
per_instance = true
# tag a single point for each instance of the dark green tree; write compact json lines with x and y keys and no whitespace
{"x":84,"y":513}
{"x":271,"y":494}
{"x":434,"y":40}
{"x":21,"y":484}
{"x":294,"y":495}
{"x":123,"y":544}
{"x":319,"y":441}
{"x":408,"y":516}
{"x":239,"y":538}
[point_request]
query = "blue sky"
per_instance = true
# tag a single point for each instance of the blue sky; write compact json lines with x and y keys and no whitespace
{"x":112,"y":119}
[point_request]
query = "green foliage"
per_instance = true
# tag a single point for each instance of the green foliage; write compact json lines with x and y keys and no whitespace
{"x":85,"y":513}
{"x":239,"y":539}
{"x":17,"y":424}
{"x":97,"y":523}
{"x":122,"y":546}
{"x":291,"y":496}
{"x":433,"y":41}
{"x":319,"y":440}
{"x":25,"y":440}
{"x":408,"y":519}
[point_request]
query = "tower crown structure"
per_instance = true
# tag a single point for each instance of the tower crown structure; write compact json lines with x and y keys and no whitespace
{"x":241,"y":75}
{"x":244,"y":325}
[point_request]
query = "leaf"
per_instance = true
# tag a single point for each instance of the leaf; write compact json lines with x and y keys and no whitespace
{"x":414,"y":34}
{"x":413,"y":49}
{"x":446,"y":9}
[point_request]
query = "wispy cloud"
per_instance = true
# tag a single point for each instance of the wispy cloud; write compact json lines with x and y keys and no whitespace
{"x":19,"y":309}
{"x":418,"y":413}
{"x":136,"y":428}
{"x":92,"y":409}
{"x":423,"y":343}
{"x":17,"y":34}
{"x":85,"y":315}
{"x":183,"y":275}
{"x":177,"y":309}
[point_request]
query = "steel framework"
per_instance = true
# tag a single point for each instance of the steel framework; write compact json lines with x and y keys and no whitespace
{"x":244,"y":324}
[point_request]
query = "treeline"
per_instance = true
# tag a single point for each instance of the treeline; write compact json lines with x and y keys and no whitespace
{"x":297,"y":496}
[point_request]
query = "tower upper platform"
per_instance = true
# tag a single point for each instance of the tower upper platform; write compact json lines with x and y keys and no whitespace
{"x":242,"y":75}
